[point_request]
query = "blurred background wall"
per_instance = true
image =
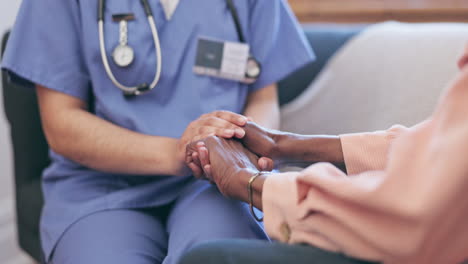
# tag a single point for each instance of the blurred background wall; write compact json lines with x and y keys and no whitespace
{"x":8,"y":10}
{"x":371,"y":11}
{"x":9,"y":251}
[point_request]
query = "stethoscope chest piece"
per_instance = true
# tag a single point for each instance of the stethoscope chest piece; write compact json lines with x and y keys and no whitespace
{"x":253,"y":69}
{"x":123,"y":55}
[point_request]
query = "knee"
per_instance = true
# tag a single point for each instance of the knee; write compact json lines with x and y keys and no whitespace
{"x":207,"y":253}
{"x":107,"y":256}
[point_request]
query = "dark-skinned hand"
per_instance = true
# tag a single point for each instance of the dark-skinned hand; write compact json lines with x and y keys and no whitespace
{"x":260,"y":140}
{"x":257,"y":139}
{"x":224,"y":164}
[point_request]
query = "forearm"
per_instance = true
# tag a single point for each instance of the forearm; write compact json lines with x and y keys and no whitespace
{"x":98,"y":144}
{"x":293,"y":148}
{"x":265,"y":114}
{"x":262,"y":106}
{"x":101,"y":145}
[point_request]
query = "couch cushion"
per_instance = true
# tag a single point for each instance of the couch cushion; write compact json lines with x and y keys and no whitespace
{"x":391,"y":73}
{"x":325,"y":41}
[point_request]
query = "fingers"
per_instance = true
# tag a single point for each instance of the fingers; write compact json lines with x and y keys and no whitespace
{"x":196,"y":170}
{"x":204,"y":156}
{"x":231,"y":117}
{"x":192,"y":159}
{"x":188,"y":156}
{"x":201,"y":158}
{"x":221,"y":128}
{"x":204,"y":160}
{"x":208,"y":173}
{"x":223,"y":124}
{"x":213,"y":126}
{"x":266,"y":164}
{"x":200,"y":163}
{"x":231,"y":122}
{"x":229,"y":133}
{"x":196,"y":159}
{"x":239,"y":133}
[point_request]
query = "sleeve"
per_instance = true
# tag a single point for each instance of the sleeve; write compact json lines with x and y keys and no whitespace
{"x":419,"y":197}
{"x":368,"y":151}
{"x":329,"y":210}
{"x":319,"y":189}
{"x":277,"y":41}
{"x":45,"y":47}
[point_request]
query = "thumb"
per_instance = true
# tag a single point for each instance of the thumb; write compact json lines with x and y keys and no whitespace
{"x":266,"y":164}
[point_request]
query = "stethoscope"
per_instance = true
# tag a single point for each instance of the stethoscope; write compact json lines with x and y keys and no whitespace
{"x":254,"y":68}
{"x":123,"y":54}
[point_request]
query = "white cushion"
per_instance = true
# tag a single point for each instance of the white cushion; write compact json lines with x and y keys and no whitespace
{"x":390,"y":73}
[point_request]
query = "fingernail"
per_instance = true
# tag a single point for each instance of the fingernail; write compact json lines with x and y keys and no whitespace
{"x":202,"y":154}
{"x":204,"y":149}
{"x":242,"y":120}
{"x":262,"y":164}
{"x":240,"y":133}
{"x":229,"y":132}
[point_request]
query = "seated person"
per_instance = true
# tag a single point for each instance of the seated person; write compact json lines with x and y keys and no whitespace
{"x":403,"y":200}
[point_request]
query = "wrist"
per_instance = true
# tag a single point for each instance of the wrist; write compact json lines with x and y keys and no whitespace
{"x":256,"y":186}
{"x":281,"y":145}
{"x":239,"y":191}
{"x":310,"y":149}
{"x":176,"y":162}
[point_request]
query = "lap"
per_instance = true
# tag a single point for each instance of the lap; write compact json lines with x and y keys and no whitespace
{"x":262,"y":252}
{"x":203,"y":214}
{"x":148,"y":236}
{"x":117,"y":236}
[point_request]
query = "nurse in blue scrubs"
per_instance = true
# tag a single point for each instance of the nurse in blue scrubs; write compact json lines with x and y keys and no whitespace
{"x":117,"y":190}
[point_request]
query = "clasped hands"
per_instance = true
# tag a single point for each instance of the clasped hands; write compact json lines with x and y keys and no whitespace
{"x":229,"y":163}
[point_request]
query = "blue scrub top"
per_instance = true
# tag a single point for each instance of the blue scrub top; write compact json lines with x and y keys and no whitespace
{"x":55,"y":43}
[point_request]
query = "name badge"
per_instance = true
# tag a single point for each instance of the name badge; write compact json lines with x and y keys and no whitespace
{"x":222,"y":59}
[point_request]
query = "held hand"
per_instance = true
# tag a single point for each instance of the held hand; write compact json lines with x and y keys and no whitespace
{"x":197,"y":159}
{"x":259,"y":140}
{"x":224,"y":164}
{"x":223,"y":124}
{"x":193,"y":161}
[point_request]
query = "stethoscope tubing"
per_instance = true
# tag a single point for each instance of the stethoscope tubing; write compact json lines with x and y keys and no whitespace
{"x":235,"y":16}
{"x":131,"y":90}
{"x":137,"y":90}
